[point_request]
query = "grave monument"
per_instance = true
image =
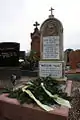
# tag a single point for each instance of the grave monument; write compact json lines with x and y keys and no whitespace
{"x":9,"y":54}
{"x":35,"y":43}
{"x":66,"y":56}
{"x":9,"y":62}
{"x":51,"y":48}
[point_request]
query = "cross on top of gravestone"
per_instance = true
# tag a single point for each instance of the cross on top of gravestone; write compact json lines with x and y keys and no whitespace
{"x":51,"y":10}
{"x":36,"y":24}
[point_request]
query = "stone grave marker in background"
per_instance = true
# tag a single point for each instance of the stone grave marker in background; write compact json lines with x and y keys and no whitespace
{"x":35,"y":43}
{"x":9,"y":62}
{"x":77,"y":52}
{"x":9,"y":54}
{"x":74,"y":57}
{"x":67,"y":57}
{"x":51,"y":48}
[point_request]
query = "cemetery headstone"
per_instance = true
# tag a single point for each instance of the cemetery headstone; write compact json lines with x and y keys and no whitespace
{"x":67,"y":57}
{"x":9,"y":54}
{"x":9,"y":62}
{"x":75,"y":59}
{"x":51,"y":48}
{"x":35,"y":43}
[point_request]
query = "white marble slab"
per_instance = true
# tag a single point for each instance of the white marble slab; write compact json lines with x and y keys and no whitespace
{"x":51,"y":47}
{"x":54,"y":69}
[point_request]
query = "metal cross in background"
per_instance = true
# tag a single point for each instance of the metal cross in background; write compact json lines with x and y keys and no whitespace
{"x":51,"y":10}
{"x":36,"y":24}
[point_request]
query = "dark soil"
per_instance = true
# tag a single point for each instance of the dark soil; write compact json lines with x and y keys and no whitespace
{"x":74,"y":113}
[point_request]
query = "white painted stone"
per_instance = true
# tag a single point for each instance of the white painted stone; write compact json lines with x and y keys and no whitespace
{"x":52,"y":68}
{"x":51,"y":47}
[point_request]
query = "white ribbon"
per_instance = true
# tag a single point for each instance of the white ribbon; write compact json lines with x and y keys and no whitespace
{"x":56,"y":98}
{"x":45,"y":107}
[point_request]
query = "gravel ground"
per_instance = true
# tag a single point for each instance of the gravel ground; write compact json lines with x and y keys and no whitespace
{"x":74,"y":113}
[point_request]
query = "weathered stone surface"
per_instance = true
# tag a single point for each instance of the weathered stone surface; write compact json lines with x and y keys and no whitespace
{"x":52,"y":27}
{"x":51,"y":68}
{"x":51,"y":47}
{"x":72,"y":60}
{"x":74,"y":57}
{"x":66,"y":56}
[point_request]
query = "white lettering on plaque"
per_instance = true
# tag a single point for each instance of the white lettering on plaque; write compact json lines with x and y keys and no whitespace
{"x":51,"y":47}
{"x":54,"y":69}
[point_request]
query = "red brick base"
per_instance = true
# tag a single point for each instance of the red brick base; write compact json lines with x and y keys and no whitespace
{"x":14,"y":111}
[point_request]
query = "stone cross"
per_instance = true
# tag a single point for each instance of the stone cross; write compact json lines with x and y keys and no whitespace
{"x":36,"y":24}
{"x":51,"y":10}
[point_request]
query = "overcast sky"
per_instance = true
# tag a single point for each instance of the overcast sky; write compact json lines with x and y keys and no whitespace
{"x":18,"y":16}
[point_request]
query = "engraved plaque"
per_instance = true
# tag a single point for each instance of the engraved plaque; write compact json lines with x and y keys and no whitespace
{"x":51,"y":47}
{"x":54,"y":69}
{"x":9,"y":54}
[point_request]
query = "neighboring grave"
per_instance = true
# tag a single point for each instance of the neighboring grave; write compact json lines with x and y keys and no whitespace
{"x":35,"y":43}
{"x":9,"y":54}
{"x":51,"y":48}
{"x":74,"y":57}
{"x":67,"y":57}
{"x":9,"y":62}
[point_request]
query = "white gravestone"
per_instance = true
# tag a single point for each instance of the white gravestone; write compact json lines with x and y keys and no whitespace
{"x":51,"y":49}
